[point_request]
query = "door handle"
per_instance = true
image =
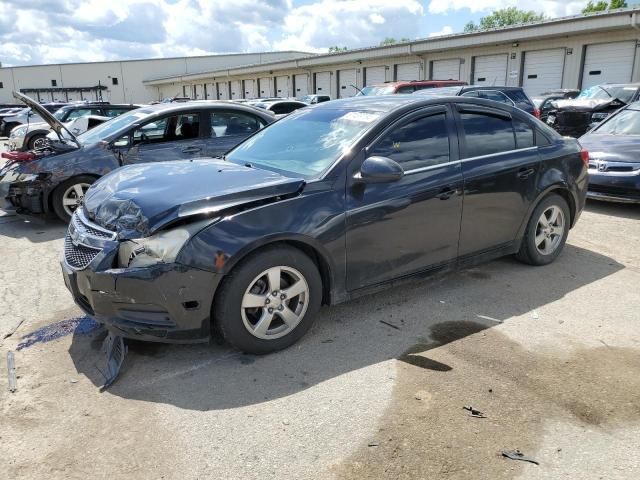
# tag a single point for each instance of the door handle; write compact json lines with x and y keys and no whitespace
{"x":526,"y":172}
{"x":446,"y":193}
{"x":191,"y":150}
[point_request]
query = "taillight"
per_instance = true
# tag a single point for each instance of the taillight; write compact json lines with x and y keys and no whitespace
{"x":584,"y":155}
{"x":536,"y":113}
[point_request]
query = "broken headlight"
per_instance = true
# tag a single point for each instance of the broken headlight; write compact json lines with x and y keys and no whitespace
{"x":599,"y":116}
{"x":163,"y":247}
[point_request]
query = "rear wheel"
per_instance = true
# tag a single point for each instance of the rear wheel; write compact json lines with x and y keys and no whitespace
{"x":546,"y":232}
{"x":268,"y":301}
{"x":69,"y":196}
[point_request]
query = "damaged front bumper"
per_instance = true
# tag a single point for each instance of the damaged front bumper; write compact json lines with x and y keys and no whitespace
{"x":166,"y":302}
{"x":23,"y":192}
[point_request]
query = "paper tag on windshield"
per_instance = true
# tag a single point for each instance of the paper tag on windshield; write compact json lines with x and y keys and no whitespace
{"x":364,"y":117}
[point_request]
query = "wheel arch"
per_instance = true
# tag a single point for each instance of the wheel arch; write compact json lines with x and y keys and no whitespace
{"x":49,"y":193}
{"x":560,"y":188}
{"x":306,"y":245}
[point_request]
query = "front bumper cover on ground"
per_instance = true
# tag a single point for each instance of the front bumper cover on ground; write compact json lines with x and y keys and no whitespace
{"x":162,"y":303}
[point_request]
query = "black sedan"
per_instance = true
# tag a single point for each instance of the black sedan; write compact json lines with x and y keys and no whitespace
{"x":614,"y":157}
{"x":327,"y":204}
{"x":56,"y":178}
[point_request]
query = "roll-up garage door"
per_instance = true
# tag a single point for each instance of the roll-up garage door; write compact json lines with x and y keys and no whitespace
{"x":265,"y":89}
{"x":543,"y":70}
{"x":199,"y":91}
{"x":490,"y":70}
{"x":236,"y":89}
{"x":323,"y":83}
{"x":346,"y":80}
{"x":211,"y":91}
{"x":374,"y":75}
{"x":249,"y":88}
{"x":282,"y":86}
{"x":608,"y":63}
{"x":223,"y":90}
{"x":302,"y":84}
{"x":408,"y":71}
{"x":446,"y":69}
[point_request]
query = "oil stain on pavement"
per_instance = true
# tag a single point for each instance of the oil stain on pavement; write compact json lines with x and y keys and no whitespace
{"x":77,"y":325}
{"x":425,"y":433}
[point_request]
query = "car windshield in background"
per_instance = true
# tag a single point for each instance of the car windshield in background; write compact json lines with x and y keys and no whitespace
{"x":376,"y":91}
{"x":438,"y":92}
{"x":305,"y":143}
{"x":112,"y":126}
{"x":627,"y":122}
{"x":624,"y":94}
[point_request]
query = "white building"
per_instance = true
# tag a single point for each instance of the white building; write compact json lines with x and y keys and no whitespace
{"x":123,"y":79}
{"x":571,"y":52}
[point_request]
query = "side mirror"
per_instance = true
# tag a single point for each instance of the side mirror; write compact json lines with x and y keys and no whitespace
{"x":380,"y":170}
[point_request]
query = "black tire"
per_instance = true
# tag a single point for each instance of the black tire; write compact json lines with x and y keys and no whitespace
{"x":529,"y":252}
{"x":227,"y":310}
{"x":58,"y":195}
{"x":31,"y":144}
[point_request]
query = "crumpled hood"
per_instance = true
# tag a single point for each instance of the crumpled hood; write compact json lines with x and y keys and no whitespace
{"x":138,"y":200}
{"x":613,"y":148}
{"x":583,"y":104}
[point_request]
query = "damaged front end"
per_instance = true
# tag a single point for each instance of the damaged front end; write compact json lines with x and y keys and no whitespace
{"x":574,"y":117}
{"x":134,"y":286}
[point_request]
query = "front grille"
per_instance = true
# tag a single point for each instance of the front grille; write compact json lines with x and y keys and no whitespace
{"x":574,"y":119}
{"x":78,"y":256}
{"x":94,"y":232}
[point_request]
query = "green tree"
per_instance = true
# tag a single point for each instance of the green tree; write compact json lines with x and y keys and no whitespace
{"x":388,"y":41}
{"x":504,"y":18}
{"x":337,"y":49}
{"x":603,"y":5}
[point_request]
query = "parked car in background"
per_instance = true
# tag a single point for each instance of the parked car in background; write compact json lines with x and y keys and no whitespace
{"x":34,"y":135}
{"x":543,"y":101}
{"x":11,"y":120}
{"x":322,"y":206}
{"x":511,"y":96}
{"x":614,"y":156}
{"x":280,"y":108}
{"x":392,"y":88}
{"x":54,"y":179}
{"x":312,"y":99}
{"x":575,"y":116}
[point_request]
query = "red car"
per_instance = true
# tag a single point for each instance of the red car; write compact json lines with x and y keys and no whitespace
{"x":407,"y":86}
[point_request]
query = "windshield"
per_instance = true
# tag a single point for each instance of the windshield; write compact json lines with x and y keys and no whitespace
{"x":110,"y":127}
{"x":305,"y":143}
{"x":607,"y":92}
{"x":59,"y":114}
{"x":626,"y":122}
{"x":386,"y":90}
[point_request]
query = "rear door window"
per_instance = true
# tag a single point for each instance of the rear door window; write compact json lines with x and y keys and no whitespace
{"x":406,"y":89}
{"x":229,"y":124}
{"x":524,"y":134}
{"x":487,"y":133}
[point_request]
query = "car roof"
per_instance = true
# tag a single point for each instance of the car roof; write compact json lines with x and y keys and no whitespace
{"x":200,"y":104}
{"x":392,"y":103}
{"x":397,"y":83}
{"x":635,"y":85}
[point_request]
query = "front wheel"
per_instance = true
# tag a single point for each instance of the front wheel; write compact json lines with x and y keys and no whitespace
{"x":37,"y":141}
{"x":69,"y":195}
{"x":268,"y":301}
{"x":546,"y":232}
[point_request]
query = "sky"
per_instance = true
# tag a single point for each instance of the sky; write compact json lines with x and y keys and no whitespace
{"x":60,"y":31}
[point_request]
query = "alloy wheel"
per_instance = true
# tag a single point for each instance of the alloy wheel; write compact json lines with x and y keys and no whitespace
{"x":73,"y":197}
{"x":275,"y":302}
{"x":550,"y":230}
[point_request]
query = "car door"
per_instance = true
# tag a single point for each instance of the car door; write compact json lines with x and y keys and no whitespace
{"x":500,"y":166}
{"x":402,"y":227}
{"x":227,"y":128}
{"x":170,"y":137}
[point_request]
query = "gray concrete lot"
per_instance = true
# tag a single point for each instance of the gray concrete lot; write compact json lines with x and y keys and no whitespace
{"x":551,"y":356}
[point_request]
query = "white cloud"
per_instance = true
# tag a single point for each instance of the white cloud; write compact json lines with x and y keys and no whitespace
{"x":446,"y":30}
{"x":351,"y":23}
{"x":552,"y":8}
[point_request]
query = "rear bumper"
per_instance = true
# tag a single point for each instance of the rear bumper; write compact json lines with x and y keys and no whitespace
{"x":163,"y":303}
